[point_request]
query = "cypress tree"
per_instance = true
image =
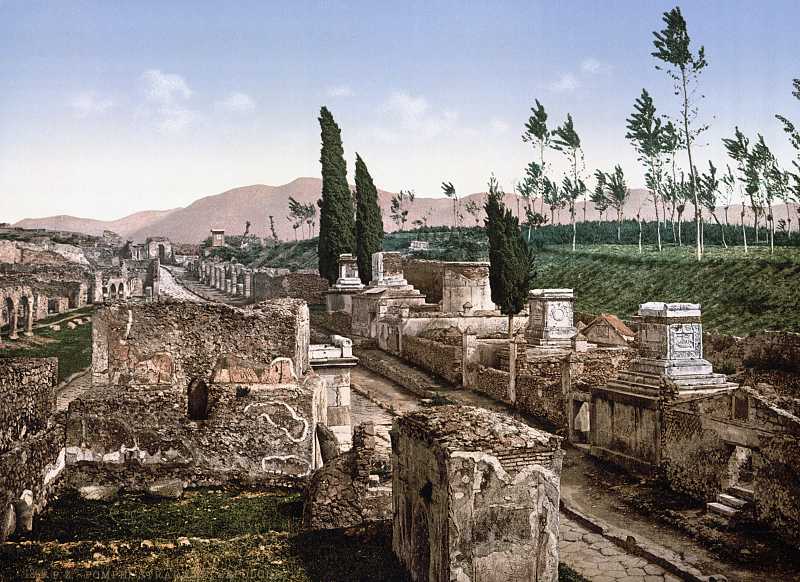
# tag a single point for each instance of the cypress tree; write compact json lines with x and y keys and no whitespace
{"x":369,"y":221}
{"x":510,"y":259}
{"x":336,"y":232}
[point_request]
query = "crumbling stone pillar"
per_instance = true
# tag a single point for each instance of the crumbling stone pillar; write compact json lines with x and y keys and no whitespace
{"x":29,"y":319}
{"x":470,"y":359}
{"x":476,"y":497}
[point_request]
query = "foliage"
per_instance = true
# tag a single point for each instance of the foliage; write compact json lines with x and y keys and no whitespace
{"x":673,"y":48}
{"x":369,"y":222}
{"x":510,"y":259}
{"x":400,"y":205}
{"x":336,"y":227}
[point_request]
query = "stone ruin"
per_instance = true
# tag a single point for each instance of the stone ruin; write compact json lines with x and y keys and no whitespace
{"x":627,"y":412}
{"x":352,"y":489}
{"x":476,"y":496}
{"x":551,"y":319}
{"x":339,"y":296}
{"x":332,"y":362}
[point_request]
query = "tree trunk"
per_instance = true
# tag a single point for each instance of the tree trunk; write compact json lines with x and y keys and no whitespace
{"x":639,"y":220}
{"x":721,"y":228}
{"x":619,"y":226}
{"x":680,"y":222}
{"x":512,"y":361}
{"x":744,"y":233}
{"x":771,"y":221}
{"x":574,"y":230}
{"x":692,"y":177}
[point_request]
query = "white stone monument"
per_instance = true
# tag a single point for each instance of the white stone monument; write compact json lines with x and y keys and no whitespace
{"x":551,"y":319}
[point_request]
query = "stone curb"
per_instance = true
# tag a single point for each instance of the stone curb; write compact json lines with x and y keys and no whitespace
{"x":367,"y":362}
{"x":641,"y":547}
{"x":180,"y":283}
{"x":369,"y":395}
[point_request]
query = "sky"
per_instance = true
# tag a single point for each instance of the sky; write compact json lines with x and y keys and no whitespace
{"x":108,"y":108}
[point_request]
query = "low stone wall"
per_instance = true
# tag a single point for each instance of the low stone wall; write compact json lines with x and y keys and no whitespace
{"x":308,"y":286}
{"x":27,"y":397}
{"x":776,"y":488}
{"x":436,"y":357}
{"x":426,"y":276}
{"x":763,"y":351}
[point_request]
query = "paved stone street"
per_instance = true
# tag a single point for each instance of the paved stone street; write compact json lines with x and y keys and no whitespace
{"x":169,"y":287}
{"x":73,"y":390}
{"x":599,"y":560}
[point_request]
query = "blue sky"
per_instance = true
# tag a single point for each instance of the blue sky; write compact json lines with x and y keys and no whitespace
{"x":108,"y":108}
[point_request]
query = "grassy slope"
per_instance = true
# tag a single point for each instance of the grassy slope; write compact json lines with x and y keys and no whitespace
{"x":739,"y":293}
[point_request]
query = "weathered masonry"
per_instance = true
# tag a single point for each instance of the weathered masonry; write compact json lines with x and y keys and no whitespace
{"x":476,"y":497}
{"x":31,"y":440}
{"x":204,"y":393}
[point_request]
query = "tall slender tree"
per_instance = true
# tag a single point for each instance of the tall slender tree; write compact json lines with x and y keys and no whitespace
{"x":400,"y":205}
{"x":336,"y":225}
{"x":567,"y":141}
{"x":616,"y":193}
{"x":709,"y":194}
{"x":369,"y":221}
{"x":672,"y":47}
{"x":510,"y":258}
{"x":538,"y":135}
{"x":646,"y":134}
{"x":793,"y":192}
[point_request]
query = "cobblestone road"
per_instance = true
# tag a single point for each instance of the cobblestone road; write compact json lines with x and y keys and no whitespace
{"x":597,"y":559}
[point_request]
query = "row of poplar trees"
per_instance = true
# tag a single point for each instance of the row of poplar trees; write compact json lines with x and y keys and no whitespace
{"x":349,"y":222}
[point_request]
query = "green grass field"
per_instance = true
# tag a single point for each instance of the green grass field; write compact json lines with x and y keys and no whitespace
{"x":72,"y":347}
{"x":233,"y":534}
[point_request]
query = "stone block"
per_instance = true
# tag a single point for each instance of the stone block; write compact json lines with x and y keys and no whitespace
{"x":169,"y":489}
{"x":99,"y":492}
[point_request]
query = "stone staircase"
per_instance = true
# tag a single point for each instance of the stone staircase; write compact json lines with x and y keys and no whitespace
{"x":726,"y":509}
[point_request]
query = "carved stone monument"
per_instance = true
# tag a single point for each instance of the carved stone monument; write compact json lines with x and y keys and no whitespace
{"x":627,"y":413}
{"x":340,"y":296}
{"x":551,"y":319}
{"x":387,"y":270}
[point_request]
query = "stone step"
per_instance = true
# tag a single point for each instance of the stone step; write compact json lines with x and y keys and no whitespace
{"x":741,"y":492}
{"x":731,"y":501}
{"x":722,"y":509}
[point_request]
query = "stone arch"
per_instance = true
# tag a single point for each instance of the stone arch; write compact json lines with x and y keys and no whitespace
{"x":10,"y":313}
{"x":121,"y":290}
{"x":162,"y":253}
{"x":112,"y":291}
{"x":197,"y":401}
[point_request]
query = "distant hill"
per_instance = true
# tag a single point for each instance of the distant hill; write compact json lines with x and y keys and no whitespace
{"x":232,"y":209}
{"x":122,"y":226}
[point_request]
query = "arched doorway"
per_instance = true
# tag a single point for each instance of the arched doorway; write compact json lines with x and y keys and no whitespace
{"x":121,"y":291}
{"x":112,"y":292}
{"x":10,"y":318}
{"x":162,"y":253}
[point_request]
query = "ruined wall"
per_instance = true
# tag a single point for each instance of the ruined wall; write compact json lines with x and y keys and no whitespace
{"x":426,"y":276}
{"x":439,"y":358}
{"x":308,"y":286}
{"x":254,"y":432}
{"x":626,"y":428}
{"x":776,"y":488}
{"x":174,"y":342}
{"x":352,"y":489}
{"x":31,"y":437}
{"x":27,"y":396}
{"x":476,"y":497}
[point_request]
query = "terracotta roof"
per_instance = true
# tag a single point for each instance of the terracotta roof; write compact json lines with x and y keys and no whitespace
{"x":614,"y":322}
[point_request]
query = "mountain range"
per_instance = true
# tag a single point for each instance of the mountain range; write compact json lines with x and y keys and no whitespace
{"x":230,"y":210}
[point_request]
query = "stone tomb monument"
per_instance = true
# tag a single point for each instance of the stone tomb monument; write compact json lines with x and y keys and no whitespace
{"x":626,"y":414}
{"x":340,"y":296}
{"x":551,"y":319}
{"x":333,"y":361}
{"x":476,"y":496}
